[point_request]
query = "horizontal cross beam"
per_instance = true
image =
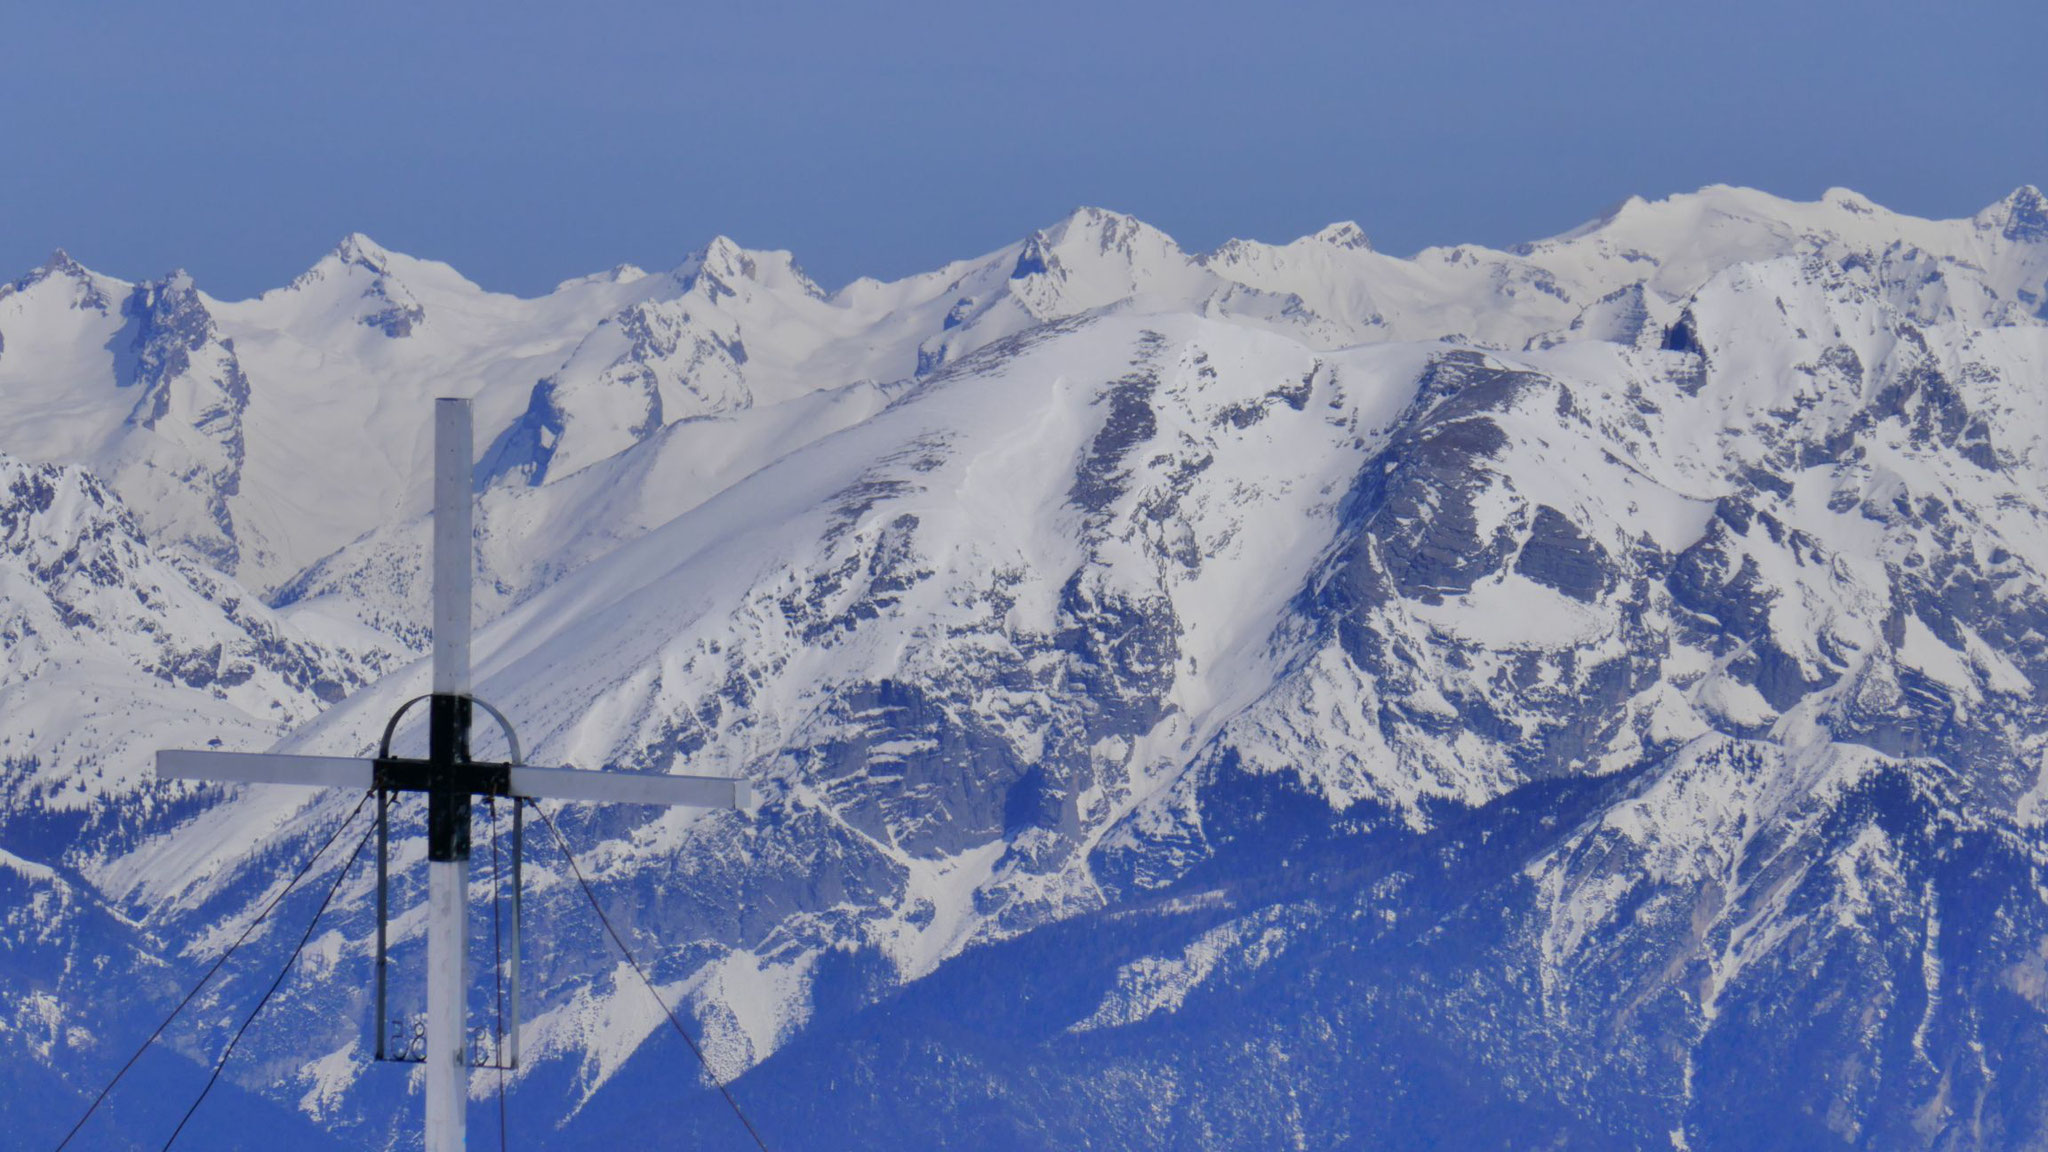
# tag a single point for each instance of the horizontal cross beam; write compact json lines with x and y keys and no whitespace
{"x":488,"y":779}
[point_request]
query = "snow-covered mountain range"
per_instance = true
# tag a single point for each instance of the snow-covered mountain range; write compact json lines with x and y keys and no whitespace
{"x":1288,"y":695}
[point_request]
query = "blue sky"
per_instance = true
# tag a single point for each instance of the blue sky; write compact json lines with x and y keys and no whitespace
{"x":527,"y":142}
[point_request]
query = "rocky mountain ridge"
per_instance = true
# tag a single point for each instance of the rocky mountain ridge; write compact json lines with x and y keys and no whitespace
{"x":1353,"y":699}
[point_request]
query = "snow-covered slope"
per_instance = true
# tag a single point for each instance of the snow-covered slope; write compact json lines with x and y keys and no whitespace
{"x":111,"y":647}
{"x":1542,"y":682}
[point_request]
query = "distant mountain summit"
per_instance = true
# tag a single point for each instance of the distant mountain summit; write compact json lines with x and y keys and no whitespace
{"x":1588,"y":694}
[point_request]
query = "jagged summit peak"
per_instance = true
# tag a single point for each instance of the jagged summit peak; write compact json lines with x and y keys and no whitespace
{"x":2022,"y":215}
{"x":59,"y":263}
{"x":174,"y":295}
{"x":359,"y":267}
{"x":363,"y":252}
{"x":726,"y":260}
{"x":87,"y":285}
{"x":1110,"y":229}
{"x":177,"y":294}
{"x":722,"y":248}
{"x":1089,"y":233}
{"x":354,"y":250}
{"x":1344,"y":234}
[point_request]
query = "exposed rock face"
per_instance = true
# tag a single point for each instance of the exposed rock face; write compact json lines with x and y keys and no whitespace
{"x":192,"y":393}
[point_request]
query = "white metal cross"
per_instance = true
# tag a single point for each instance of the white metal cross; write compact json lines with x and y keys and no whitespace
{"x":450,"y":778}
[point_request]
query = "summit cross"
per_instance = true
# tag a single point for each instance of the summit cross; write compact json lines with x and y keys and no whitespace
{"x":450,"y":779}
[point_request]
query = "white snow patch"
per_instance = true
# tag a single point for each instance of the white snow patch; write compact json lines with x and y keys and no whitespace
{"x":1511,"y":611}
{"x":1156,"y":984}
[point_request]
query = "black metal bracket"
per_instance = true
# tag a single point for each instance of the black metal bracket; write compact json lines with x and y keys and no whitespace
{"x":468,"y":778}
{"x":450,"y":779}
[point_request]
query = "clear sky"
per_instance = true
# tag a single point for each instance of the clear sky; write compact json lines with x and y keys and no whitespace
{"x":529,"y":142}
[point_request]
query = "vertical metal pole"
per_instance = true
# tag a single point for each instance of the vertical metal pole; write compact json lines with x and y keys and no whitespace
{"x":454,"y":457}
{"x":383,"y":907}
{"x":448,"y":812}
{"x":518,"y":808}
{"x":447,"y":986}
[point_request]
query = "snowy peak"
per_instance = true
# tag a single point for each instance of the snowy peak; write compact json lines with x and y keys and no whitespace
{"x":729,"y":328}
{"x":1104,"y":231}
{"x":172,"y":324}
{"x":361,"y":282}
{"x":2022,"y":217}
{"x":103,"y":628}
{"x":1687,"y":236}
{"x":60,"y":263}
{"x":1287,"y":260}
{"x":47,"y":512}
{"x":354,"y":251}
{"x":1849,"y":200}
{"x":1344,"y":234}
{"x":1092,"y":259}
{"x":1299,"y":264}
{"x":362,"y":252}
{"x":61,"y":260}
{"x":666,"y":358}
{"x":657,"y":361}
{"x":181,"y":447}
{"x":722,"y":265}
{"x":1680,"y":241}
{"x":78,"y":286}
{"x":1096,"y":237}
{"x":1096,"y":257}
